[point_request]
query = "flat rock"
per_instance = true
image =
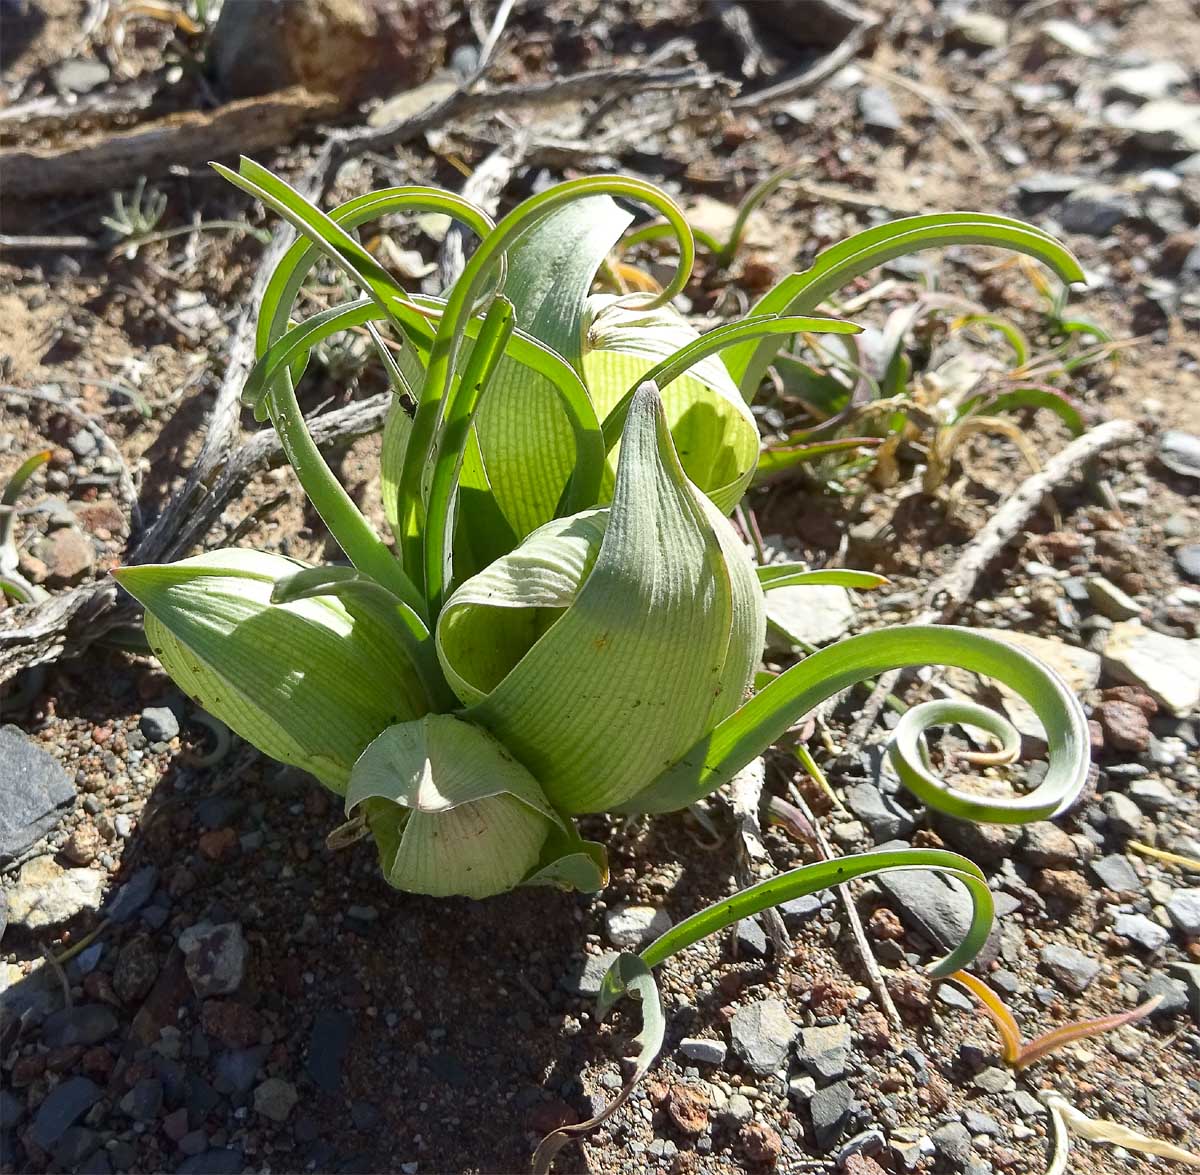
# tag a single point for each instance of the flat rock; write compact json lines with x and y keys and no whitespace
{"x":1184,"y":911}
{"x":878,"y":113}
{"x":1116,"y":873}
{"x":629,"y":925}
{"x":824,"y":1051}
{"x":215,"y":1161}
{"x":938,"y":907}
{"x":831,"y":1108}
{"x":586,"y":974}
{"x":1141,"y":931}
{"x":1144,"y":83}
{"x":48,"y":895}
{"x":1069,"y":968}
{"x":62,"y":1107}
{"x":331,"y":1034}
{"x":1165,"y":124}
{"x":1096,"y":209}
{"x":762,"y":1033}
{"x":81,"y":1024}
{"x":1045,"y":844}
{"x":705,"y":1051}
{"x":35,"y":788}
{"x":1173,"y":991}
{"x":1166,"y":667}
{"x":133,"y":895}
{"x":884,"y":817}
{"x":808,"y":615}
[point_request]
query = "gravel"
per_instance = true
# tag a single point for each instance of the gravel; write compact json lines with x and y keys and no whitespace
{"x":761,"y":1034}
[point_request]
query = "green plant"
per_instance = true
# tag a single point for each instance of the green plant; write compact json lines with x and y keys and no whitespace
{"x":12,"y":583}
{"x":568,"y":623}
{"x":862,"y":408}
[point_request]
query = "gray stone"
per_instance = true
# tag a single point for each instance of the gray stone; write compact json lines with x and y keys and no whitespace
{"x":331,"y":1034}
{"x":824,"y":1051}
{"x":831,"y":1109}
{"x":159,"y":724}
{"x":133,"y":895}
{"x":1189,"y":975}
{"x":1173,"y":993}
{"x":1188,"y":559}
{"x":762,"y":1033}
{"x":1184,"y":911}
{"x":1096,"y":209}
{"x":1049,"y":183}
{"x":275,"y":1099}
{"x":73,"y":1148}
{"x":62,"y":1107}
{"x":1180,"y":452}
{"x":1167,"y":667}
{"x":813,"y":614}
{"x":939,"y":907}
{"x":953,"y":1143}
{"x":235,"y":1070}
{"x":1122,"y":815}
{"x":977,"y":30}
{"x":878,"y":113}
{"x":35,"y":789}
{"x":797,"y":911}
{"x":81,"y":1024}
{"x":630,"y":926}
{"x":750,"y":941}
{"x":737,"y":1111}
{"x":977,"y":1122}
{"x":884,"y":818}
{"x":704,"y":1051}
{"x":214,"y":957}
{"x":1116,"y":873}
{"x":1152,"y":795}
{"x":586,"y":974}
{"x":994,"y":1080}
{"x":1069,"y":968}
{"x":143,"y":1102}
{"x":1141,"y":930}
{"x":217,"y":1161}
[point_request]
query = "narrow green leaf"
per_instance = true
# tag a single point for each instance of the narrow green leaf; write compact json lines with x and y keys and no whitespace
{"x":766,"y":717}
{"x":778,"y":575}
{"x":991,"y":404}
{"x":801,"y":293}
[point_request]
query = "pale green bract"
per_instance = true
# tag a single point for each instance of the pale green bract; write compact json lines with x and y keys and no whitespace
{"x":566,"y":622}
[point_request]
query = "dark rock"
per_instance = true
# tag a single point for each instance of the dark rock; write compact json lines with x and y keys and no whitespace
{"x":83,"y":1024}
{"x":327,"y":1045}
{"x":144,"y":1100}
{"x":586,"y":974}
{"x":761,"y":1034}
{"x":1096,"y":210}
{"x":1126,"y":728}
{"x":936,"y":906}
{"x":159,"y":724}
{"x":831,"y":1111}
{"x":885,"y":819}
{"x":1173,"y":992}
{"x":34,"y":787}
{"x":217,"y":1161}
{"x":797,"y":911}
{"x":1069,"y":968}
{"x":133,"y":895}
{"x":985,"y":843}
{"x":12,"y":1109}
{"x":76,"y":1144}
{"x":953,"y":1143}
{"x":1116,"y":873}
{"x":63,"y":1106}
{"x":750,"y":940}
